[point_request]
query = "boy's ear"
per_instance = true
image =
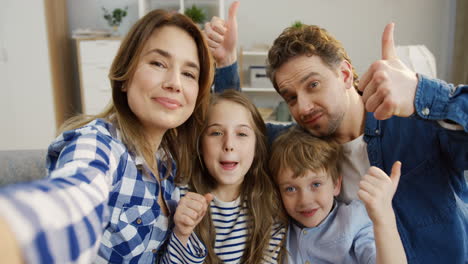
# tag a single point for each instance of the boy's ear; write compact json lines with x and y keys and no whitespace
{"x":337,"y":188}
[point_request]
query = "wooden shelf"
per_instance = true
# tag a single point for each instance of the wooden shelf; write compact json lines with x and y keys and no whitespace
{"x":279,"y":122}
{"x":255,"y":89}
{"x":255,"y":53}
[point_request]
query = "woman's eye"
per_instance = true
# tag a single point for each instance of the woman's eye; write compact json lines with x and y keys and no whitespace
{"x":290,"y":189}
{"x":157,"y":64}
{"x":215,"y":133}
{"x":242,"y":134}
{"x":190,"y":75}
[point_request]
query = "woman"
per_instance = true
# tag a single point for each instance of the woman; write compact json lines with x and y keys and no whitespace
{"x":111,"y":187}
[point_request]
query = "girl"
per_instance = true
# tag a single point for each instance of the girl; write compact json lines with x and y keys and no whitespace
{"x":240,"y":226}
{"x":111,"y":187}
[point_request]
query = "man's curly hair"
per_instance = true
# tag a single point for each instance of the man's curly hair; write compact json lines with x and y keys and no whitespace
{"x":306,"y":40}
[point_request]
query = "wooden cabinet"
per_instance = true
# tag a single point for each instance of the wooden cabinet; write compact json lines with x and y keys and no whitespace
{"x":95,"y":57}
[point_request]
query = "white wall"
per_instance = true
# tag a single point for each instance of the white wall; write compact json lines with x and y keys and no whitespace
{"x":26,"y":105}
{"x":89,"y":13}
{"x":358,"y":24}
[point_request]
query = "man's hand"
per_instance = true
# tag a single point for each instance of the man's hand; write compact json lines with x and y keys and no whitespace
{"x":389,"y":87}
{"x":376,"y":190}
{"x":222,"y":37}
{"x":190,"y":211}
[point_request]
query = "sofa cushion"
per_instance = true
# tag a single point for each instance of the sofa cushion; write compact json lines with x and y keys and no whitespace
{"x":22,"y":165}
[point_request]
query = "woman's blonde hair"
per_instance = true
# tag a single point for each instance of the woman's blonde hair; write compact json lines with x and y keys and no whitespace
{"x":179,"y":142}
{"x":257,"y":190}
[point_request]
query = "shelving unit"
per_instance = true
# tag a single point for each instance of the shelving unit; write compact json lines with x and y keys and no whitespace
{"x":95,"y":57}
{"x":256,"y":89}
{"x":265,"y":98}
{"x":213,"y":7}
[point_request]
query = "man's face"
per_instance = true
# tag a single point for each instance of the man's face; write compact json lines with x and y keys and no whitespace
{"x":315,"y":94}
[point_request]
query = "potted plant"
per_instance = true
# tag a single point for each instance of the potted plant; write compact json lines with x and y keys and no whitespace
{"x":196,"y":14}
{"x":115,"y":18}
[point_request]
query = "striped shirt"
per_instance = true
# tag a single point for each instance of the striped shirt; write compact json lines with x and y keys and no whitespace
{"x":231,"y":222}
{"x":99,"y":204}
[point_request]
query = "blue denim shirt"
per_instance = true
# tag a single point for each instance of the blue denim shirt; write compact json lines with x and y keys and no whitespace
{"x":431,"y":202}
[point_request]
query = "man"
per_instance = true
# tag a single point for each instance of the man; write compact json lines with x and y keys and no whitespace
{"x":393,"y":114}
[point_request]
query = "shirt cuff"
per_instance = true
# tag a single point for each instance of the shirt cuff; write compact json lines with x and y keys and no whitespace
{"x":432,"y":98}
{"x":193,"y":252}
{"x":227,"y":78}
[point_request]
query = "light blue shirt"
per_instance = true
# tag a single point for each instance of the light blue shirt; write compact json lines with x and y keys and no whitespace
{"x":345,"y":236}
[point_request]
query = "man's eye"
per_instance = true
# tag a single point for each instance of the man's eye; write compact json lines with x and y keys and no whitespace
{"x":314,"y":84}
{"x":290,"y":99}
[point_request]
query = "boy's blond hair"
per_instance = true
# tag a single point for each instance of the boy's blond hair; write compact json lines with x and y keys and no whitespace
{"x":299,"y":151}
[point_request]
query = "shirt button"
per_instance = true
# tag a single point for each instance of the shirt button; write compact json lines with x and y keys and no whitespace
{"x":138,"y":221}
{"x":304,"y":232}
{"x":377,"y":131}
{"x":425,"y":111}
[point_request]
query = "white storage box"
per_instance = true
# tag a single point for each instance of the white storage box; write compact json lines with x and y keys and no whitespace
{"x":258,"y":77}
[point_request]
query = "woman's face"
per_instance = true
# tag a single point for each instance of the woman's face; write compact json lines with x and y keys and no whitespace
{"x":164,"y":88}
{"x":228,"y":145}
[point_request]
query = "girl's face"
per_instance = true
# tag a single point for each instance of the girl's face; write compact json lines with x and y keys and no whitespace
{"x":164,"y":87}
{"x":228,"y":145}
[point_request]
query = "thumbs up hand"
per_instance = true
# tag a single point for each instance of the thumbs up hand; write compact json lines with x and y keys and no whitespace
{"x":222,"y":37}
{"x":376,"y":190}
{"x":190,"y":211}
{"x":388,"y":86}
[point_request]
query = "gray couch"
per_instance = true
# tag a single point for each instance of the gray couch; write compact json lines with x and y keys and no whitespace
{"x":22,"y":165}
{"x":27,"y":165}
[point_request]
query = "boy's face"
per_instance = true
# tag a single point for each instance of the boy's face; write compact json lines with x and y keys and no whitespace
{"x":308,"y":198}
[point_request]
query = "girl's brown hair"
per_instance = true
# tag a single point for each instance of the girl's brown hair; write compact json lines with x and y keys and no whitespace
{"x":257,"y":190}
{"x":179,"y":142}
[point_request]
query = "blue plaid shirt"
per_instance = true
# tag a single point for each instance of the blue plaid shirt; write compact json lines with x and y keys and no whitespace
{"x":99,"y":204}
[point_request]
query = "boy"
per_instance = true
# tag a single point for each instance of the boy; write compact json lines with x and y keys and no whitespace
{"x":322,"y":229}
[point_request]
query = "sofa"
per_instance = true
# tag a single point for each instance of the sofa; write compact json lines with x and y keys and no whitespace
{"x":27,"y":165}
{"x":22,"y":165}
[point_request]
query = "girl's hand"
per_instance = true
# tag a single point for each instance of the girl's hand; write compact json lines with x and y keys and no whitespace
{"x":190,"y":211}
